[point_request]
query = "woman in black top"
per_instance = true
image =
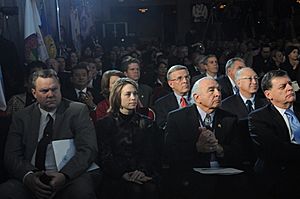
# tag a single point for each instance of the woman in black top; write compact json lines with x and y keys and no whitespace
{"x":127,"y":144}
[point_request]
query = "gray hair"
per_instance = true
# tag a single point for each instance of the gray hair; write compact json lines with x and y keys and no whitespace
{"x":240,"y":71}
{"x":176,"y":68}
{"x":196,"y":86}
{"x":230,"y":62}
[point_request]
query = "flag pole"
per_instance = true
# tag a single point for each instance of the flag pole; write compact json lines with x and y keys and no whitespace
{"x":58,"y":20}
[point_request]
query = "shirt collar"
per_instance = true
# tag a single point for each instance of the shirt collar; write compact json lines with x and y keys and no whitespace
{"x":245,"y":99}
{"x":203,"y":113}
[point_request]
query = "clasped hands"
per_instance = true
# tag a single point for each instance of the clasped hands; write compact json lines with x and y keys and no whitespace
{"x":136,"y":176}
{"x":207,"y":142}
{"x":42,"y":190}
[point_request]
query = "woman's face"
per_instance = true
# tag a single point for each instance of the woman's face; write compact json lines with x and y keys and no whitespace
{"x":129,"y":99}
{"x":112,"y":80}
{"x":294,"y":54}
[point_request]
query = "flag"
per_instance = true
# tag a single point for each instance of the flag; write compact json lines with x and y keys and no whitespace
{"x":47,"y":32}
{"x":2,"y":96}
{"x":86,"y":22}
{"x":75,"y":29}
{"x":35,"y":48}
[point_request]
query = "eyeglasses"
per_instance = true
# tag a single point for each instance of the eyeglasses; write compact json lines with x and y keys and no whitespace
{"x":250,"y":78}
{"x":181,"y":78}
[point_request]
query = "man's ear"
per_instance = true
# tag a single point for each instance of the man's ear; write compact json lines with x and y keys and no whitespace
{"x":170,"y":84}
{"x":33,"y":91}
{"x":268,"y":94}
{"x":196,"y":98}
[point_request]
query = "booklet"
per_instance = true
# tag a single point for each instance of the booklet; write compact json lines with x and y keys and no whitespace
{"x":219,"y":171}
{"x":64,"y":150}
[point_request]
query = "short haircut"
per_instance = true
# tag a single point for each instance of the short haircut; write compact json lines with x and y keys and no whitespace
{"x":46,"y":73}
{"x":230,"y":63}
{"x":239,"y":72}
{"x":205,"y":59}
{"x":266,"y":82}
{"x":105,"y":81}
{"x":175,"y":68}
{"x":115,"y":94}
{"x":126,"y":62}
{"x":79,"y":66}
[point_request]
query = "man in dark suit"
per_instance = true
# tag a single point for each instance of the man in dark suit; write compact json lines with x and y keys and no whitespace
{"x":276,"y":138}
{"x":247,"y":83}
{"x":202,"y":135}
{"x":131,"y":68}
{"x":179,"y":80}
{"x":34,"y":172}
{"x":227,"y":83}
{"x":79,"y":91}
{"x":211,"y":67}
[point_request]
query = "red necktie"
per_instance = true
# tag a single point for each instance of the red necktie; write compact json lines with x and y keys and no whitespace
{"x":183,"y":102}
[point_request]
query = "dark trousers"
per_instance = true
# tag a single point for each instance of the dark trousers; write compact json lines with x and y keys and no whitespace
{"x":82,"y":187}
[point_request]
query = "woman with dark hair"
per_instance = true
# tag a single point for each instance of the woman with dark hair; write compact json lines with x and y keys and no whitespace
{"x":107,"y":81}
{"x":126,"y":140}
{"x":291,"y":64}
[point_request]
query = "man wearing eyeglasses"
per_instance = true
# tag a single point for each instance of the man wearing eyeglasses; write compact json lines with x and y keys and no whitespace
{"x":246,"y":100}
{"x":179,"y":80}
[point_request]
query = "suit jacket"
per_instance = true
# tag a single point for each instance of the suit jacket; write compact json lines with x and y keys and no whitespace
{"x":71,"y":94}
{"x":145,"y":95}
{"x":226,"y":86}
{"x":182,"y":135}
{"x":279,"y":159}
{"x":236,"y":105}
{"x":163,"y":106}
{"x":72,"y":121}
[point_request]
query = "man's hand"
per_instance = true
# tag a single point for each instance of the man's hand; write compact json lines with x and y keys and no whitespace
{"x":207,"y":141}
{"x":88,"y":100}
{"x":58,"y":180}
{"x":136,"y":176}
{"x":39,"y":189}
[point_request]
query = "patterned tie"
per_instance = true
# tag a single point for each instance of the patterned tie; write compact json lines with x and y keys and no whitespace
{"x":249,"y":106}
{"x":43,"y":144}
{"x":208,"y":122}
{"x":294,"y":124}
{"x":183,"y":102}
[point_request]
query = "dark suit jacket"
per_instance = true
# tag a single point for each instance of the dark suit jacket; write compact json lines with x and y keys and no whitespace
{"x":145,"y":95}
{"x":235,"y":104}
{"x":279,"y":159}
{"x":163,"y":106}
{"x":182,"y":134}
{"x":72,"y":121}
{"x":226,"y":86}
{"x":70,"y":94}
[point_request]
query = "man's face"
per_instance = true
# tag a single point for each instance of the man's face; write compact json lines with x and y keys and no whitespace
{"x":266,"y":52}
{"x":92,"y":70}
{"x":133,"y":71}
{"x":248,"y":82}
{"x":281,"y":94}
{"x":212,"y":66}
{"x":62,"y":63}
{"x":180,"y":82}
{"x":208,"y":97}
{"x":80,"y":78}
{"x":47,"y":93}
{"x":237,"y":65}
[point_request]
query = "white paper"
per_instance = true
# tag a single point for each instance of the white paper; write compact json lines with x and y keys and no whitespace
{"x":64,"y":150}
{"x":219,"y":171}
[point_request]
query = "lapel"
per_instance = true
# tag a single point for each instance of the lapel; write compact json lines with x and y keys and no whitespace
{"x":217,"y":124}
{"x":35,"y":127}
{"x":59,"y":118}
{"x":173,"y":104}
{"x":241,"y":104}
{"x":278,"y":119}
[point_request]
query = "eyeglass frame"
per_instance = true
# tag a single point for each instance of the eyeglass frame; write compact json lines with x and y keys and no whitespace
{"x":180,"y":78}
{"x":251,"y":78}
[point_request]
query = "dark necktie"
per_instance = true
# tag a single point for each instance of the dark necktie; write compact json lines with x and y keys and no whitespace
{"x":249,"y":106}
{"x":81,"y":96}
{"x":208,"y":122}
{"x":294,"y":124}
{"x":43,"y":144}
{"x":236,"y":90}
{"x":183,"y":102}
